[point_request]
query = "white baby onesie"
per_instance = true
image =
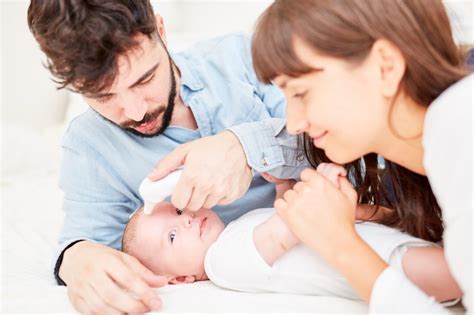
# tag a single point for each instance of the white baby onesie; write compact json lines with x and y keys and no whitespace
{"x":233,"y":261}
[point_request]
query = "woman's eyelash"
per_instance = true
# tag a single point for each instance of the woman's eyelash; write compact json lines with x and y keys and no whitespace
{"x":300,"y":95}
{"x":103,"y":99}
{"x":172,"y":236}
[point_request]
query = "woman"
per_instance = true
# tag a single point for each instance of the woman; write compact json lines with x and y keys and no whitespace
{"x":363,"y":78}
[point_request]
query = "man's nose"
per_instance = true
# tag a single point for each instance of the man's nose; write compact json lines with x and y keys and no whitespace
{"x":134,"y":107}
{"x":296,"y":120}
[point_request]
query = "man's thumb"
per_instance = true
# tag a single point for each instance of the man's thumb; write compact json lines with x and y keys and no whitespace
{"x":168,"y":164}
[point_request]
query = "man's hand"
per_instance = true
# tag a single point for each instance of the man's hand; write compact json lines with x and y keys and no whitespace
{"x":215,"y":172}
{"x":102,"y":280}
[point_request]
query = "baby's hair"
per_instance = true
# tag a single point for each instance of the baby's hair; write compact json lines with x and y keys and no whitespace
{"x":130,"y":230}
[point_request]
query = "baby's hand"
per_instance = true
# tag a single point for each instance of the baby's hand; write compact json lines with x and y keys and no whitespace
{"x":332,"y":172}
{"x":281,"y":185}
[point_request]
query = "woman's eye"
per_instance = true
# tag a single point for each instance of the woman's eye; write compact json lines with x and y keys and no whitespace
{"x":103,"y":99}
{"x":172,"y":236}
{"x":299,"y":95}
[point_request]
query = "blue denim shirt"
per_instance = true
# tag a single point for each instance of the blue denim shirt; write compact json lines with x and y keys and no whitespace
{"x":103,"y":165}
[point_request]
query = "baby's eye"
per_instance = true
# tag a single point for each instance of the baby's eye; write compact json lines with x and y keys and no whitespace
{"x":172,"y":236}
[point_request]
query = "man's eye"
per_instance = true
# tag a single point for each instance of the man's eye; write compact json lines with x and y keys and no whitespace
{"x":172,"y":236}
{"x":147,"y":81}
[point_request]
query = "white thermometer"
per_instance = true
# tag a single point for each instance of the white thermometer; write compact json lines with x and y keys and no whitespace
{"x":157,"y":191}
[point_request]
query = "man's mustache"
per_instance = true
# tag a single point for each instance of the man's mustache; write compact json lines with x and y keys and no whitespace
{"x":146,"y":119}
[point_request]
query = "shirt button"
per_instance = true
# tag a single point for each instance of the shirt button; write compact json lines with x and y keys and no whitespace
{"x":300,"y":157}
{"x":264,"y":162}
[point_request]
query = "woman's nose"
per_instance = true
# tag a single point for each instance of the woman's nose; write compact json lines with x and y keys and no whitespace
{"x":296,"y":121}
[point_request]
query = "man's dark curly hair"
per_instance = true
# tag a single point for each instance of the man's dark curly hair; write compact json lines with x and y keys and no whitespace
{"x":83,"y":38}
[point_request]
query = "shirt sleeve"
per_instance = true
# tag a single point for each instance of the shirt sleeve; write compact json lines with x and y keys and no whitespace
{"x":447,"y":143}
{"x":267,"y":144}
{"x":270,"y":148}
{"x":394,"y":293}
{"x":95,"y":209}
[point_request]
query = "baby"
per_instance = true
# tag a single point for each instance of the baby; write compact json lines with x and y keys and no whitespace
{"x":258,"y":253}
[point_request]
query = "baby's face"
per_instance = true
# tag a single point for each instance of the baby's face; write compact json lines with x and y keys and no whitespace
{"x":175,"y":245}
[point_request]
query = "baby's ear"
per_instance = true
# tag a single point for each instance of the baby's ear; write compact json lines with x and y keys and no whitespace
{"x":182,"y":279}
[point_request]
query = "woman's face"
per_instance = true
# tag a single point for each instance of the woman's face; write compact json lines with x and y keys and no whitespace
{"x":341,"y":105}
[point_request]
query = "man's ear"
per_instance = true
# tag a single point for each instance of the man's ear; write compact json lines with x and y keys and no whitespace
{"x":161,"y":28}
{"x":391,"y":64}
{"x":182,"y":279}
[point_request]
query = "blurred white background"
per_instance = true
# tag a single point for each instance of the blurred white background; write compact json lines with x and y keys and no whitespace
{"x":34,"y":115}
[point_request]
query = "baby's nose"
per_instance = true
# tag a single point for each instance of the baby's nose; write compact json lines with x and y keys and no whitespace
{"x":189,"y":218}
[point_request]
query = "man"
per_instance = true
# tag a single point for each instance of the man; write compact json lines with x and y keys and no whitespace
{"x":145,"y":103}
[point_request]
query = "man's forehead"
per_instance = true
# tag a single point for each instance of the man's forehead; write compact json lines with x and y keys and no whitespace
{"x":133,"y":65}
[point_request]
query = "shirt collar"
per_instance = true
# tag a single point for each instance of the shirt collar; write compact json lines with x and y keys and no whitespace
{"x":188,"y":76}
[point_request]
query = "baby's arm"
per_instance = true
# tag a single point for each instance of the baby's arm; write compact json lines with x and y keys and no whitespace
{"x":428,"y":269}
{"x":273,"y":239}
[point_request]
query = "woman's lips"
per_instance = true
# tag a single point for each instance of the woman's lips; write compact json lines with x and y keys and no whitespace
{"x":203,"y":225}
{"x":318,"y":139}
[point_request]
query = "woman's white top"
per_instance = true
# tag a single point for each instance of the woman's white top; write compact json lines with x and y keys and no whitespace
{"x":448,"y":144}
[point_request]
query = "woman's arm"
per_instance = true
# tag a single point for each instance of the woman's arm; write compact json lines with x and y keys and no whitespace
{"x":428,"y":269}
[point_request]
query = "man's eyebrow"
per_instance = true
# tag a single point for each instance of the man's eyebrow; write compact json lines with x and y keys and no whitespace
{"x":145,"y":75}
{"x":99,"y":95}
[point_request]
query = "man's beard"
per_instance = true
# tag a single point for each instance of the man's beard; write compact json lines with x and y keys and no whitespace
{"x":167,"y":112}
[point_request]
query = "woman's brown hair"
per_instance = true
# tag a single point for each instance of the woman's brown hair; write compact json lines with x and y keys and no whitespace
{"x":347,"y":30}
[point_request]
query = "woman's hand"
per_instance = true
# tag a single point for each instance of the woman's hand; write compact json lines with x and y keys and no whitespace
{"x":320,"y":210}
{"x":281,"y":185}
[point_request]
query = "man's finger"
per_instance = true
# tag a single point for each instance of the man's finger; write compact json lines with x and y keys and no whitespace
{"x":153,"y":280}
{"x":182,"y":192}
{"x":211,"y":201}
{"x":169,"y":163}
{"x":80,"y":305}
{"x":78,"y":301}
{"x":197,"y":199}
{"x":132,"y":282}
{"x":99,"y":305}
